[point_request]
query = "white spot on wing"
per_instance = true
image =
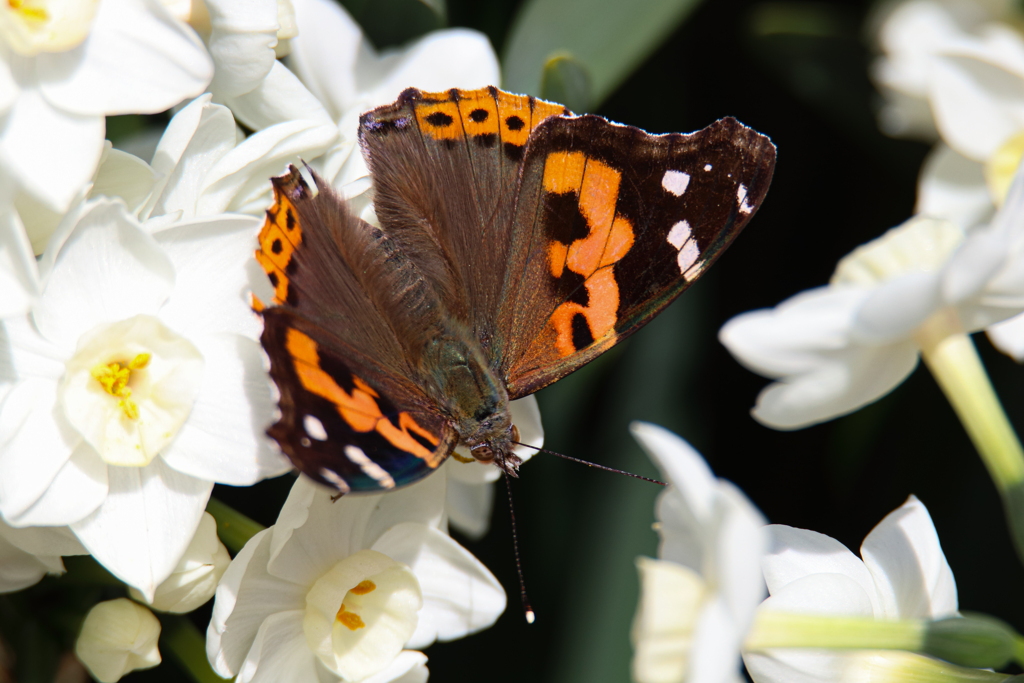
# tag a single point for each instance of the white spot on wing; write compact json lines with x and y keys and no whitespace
{"x":707,"y":167}
{"x":688,"y":255}
{"x":741,"y":199}
{"x":679,"y":233}
{"x":315,"y":428}
{"x":335,"y":480}
{"x":681,"y":239}
{"x":675,"y":182}
{"x":369,"y":467}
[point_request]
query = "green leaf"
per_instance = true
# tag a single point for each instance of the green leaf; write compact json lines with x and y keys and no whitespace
{"x":609,"y":39}
{"x":393,"y":22}
{"x":566,"y":81}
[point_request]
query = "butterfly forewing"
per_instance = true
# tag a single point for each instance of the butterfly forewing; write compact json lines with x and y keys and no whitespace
{"x":446,"y":170}
{"x":616,"y":223}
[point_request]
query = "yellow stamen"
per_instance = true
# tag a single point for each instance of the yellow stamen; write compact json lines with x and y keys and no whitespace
{"x":115,"y":376}
{"x":350,"y":620}
{"x":32,"y":13}
{"x":364,"y":587}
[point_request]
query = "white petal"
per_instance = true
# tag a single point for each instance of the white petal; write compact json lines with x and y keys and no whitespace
{"x":976,"y":104}
{"x":663,"y":629}
{"x":20,"y":569}
{"x":797,"y":553}
{"x":786,"y":666}
{"x":952,"y":186}
{"x":326,"y":51}
{"x":1008,"y":337}
{"x":78,"y":489}
{"x":313,"y":533}
{"x":213,"y":277}
{"x":450,"y":58}
{"x":409,"y":667}
{"x":126,"y":176}
{"x":19,"y":275}
{"x":238,"y":182}
{"x":681,"y":465}
{"x":35,"y":443}
{"x":279,"y":98}
{"x":35,"y":133}
{"x":716,"y":646}
{"x":242,"y":39}
{"x":138,"y":59}
{"x":118,"y":636}
{"x":741,"y":541}
{"x":852,"y":380}
{"x":469,"y":506}
{"x":896,"y":308}
{"x":460,"y":596}
{"x":145,"y":524}
{"x":195,"y":140}
{"x":904,"y":557}
{"x":44,"y":540}
{"x":108,"y":269}
{"x":823,"y":593}
{"x":246,"y":596}
{"x":279,"y":652}
{"x":223,"y":439}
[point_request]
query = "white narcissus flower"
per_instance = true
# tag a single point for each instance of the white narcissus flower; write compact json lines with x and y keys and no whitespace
{"x":65,"y":66}
{"x":118,"y":636}
{"x":336,"y":590}
{"x":470,"y":495}
{"x":837,"y":348}
{"x":698,"y":600}
{"x":26,"y":555}
{"x":903,"y":575}
{"x":343,"y":70}
{"x":205,"y":170}
{"x":910,"y":34}
{"x":134,"y":384}
{"x":194,"y":580}
{"x":19,"y":275}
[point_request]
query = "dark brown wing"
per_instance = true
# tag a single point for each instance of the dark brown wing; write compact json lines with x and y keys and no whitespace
{"x":611,"y":225}
{"x":350,"y":416}
{"x":446,"y":170}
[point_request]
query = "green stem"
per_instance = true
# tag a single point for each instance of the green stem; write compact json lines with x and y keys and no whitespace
{"x":234,"y":528}
{"x":954,"y":361}
{"x":180,"y":639}
{"x":773,"y":629}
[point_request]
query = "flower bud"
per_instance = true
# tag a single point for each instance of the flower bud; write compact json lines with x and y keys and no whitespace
{"x":118,"y":636}
{"x":974,"y":640}
{"x":194,"y":580}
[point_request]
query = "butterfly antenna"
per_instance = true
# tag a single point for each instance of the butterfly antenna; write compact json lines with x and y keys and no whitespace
{"x":527,"y":610}
{"x":593,"y":464}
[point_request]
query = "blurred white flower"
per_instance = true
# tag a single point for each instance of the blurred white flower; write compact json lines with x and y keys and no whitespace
{"x":837,"y":348}
{"x":471,"y":482}
{"x":135,"y":383}
{"x":698,"y":600}
{"x":118,"y":636}
{"x":335,"y":590}
{"x":341,"y":68}
{"x":910,"y":34}
{"x":19,"y":275}
{"x":65,"y":66}
{"x":903,"y":575}
{"x":26,"y":555}
{"x":194,"y":580}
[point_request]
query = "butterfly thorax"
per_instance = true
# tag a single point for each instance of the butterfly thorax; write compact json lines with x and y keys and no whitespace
{"x":474,"y":397}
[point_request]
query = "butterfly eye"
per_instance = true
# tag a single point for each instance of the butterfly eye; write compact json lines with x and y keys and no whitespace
{"x":483,"y":453}
{"x":513,"y":434}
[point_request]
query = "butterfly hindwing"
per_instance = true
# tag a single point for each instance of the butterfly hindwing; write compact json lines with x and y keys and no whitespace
{"x":344,"y":422}
{"x":611,"y":225}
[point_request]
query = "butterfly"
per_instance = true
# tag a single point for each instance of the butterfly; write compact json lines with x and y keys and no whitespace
{"x":517,"y":242}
